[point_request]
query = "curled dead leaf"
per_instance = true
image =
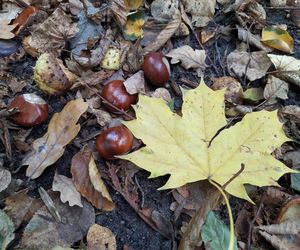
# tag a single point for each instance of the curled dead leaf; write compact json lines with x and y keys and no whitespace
{"x":99,"y":237}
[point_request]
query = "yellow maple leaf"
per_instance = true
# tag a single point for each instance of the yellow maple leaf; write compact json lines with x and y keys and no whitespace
{"x":189,"y":148}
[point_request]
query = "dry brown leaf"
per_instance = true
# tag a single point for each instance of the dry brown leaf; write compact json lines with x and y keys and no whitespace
{"x":88,"y":182}
{"x":119,"y":11}
{"x":254,"y":65}
{"x":99,"y":237}
{"x":5,"y":178}
{"x":62,"y":129}
{"x":274,"y":89}
{"x":51,"y":35}
{"x":68,"y":192}
{"x":202,"y":11}
{"x":136,"y":83}
{"x":162,"y":93}
{"x":165,"y":34}
{"x":234,"y":90}
{"x":18,"y":206}
{"x":44,"y":232}
{"x":189,"y":58}
{"x":163,"y":10}
{"x":6,"y":29}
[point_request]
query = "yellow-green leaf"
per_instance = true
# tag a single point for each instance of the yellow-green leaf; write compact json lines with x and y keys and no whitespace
{"x":133,"y":4}
{"x":189,"y":148}
{"x":134,"y":26}
{"x":278,"y":39}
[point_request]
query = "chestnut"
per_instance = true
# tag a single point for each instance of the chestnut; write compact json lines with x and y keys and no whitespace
{"x":33,"y":110}
{"x":114,"y":141}
{"x":115,"y":93}
{"x":156,"y":69}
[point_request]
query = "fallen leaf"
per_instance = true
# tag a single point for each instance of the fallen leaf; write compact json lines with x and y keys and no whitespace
{"x":278,"y":39}
{"x":99,"y":237}
{"x":173,"y":141}
{"x":9,"y":11}
{"x":134,"y":26}
{"x":202,"y":11}
{"x":234,"y":90}
{"x":68,"y":192}
{"x":254,"y":65}
{"x":44,"y":232}
{"x":119,"y":11}
{"x":51,"y":35}
{"x":164,"y":34}
{"x":163,"y":10}
{"x":290,"y":211}
{"x":6,"y":29}
{"x":293,"y":160}
{"x":162,"y":93}
{"x":274,"y":89}
{"x":5,"y":178}
{"x":288,"y":68}
{"x":6,"y":230}
{"x":88,"y":181}
{"x":189,"y":58}
{"x":133,"y":4}
{"x":136,"y":83}
{"x":215,"y":233}
{"x":18,"y":206}
{"x":254,"y":94}
{"x":62,"y":129}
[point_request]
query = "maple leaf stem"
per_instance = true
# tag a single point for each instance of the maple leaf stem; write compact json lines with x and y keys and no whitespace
{"x":231,"y":241}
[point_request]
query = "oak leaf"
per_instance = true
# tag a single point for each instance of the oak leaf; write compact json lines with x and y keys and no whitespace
{"x":189,"y":148}
{"x":62,"y":129}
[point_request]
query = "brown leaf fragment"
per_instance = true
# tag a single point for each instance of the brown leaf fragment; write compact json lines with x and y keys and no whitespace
{"x":88,"y":182}
{"x":119,"y":12}
{"x":6,"y":29}
{"x":5,"y":178}
{"x":18,"y":206}
{"x":189,"y":58}
{"x":62,"y":129}
{"x":99,"y":237}
{"x":275,"y":88}
{"x":44,"y":232}
{"x":136,"y":83}
{"x":51,"y":35}
{"x":68,"y":192}
{"x":165,"y":34}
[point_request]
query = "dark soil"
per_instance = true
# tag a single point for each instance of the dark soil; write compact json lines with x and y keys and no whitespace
{"x":128,"y":227}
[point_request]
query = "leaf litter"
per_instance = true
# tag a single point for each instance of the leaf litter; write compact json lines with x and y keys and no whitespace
{"x":101,"y":42}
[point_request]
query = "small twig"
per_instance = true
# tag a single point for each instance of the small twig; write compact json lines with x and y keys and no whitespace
{"x":8,"y":112}
{"x":141,"y":191}
{"x":176,"y":88}
{"x":251,"y":225}
{"x":234,"y":176}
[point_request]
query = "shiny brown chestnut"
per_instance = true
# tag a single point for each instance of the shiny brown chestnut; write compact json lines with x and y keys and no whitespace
{"x":156,"y":69}
{"x":33,"y":110}
{"x":115,"y":93}
{"x":114,"y":141}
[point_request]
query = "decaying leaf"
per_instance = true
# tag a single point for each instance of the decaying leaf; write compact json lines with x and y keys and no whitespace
{"x":293,"y":158}
{"x":119,"y":11}
{"x":234,"y":90}
{"x":202,"y":11}
{"x":278,"y":39}
{"x":68,"y":192}
{"x":62,"y":129}
{"x":44,"y":232}
{"x":99,"y":237}
{"x":254,"y":94}
{"x":165,"y":34}
{"x":254,"y":65}
{"x":134,"y":26}
{"x":189,"y":58}
{"x":215,"y":233}
{"x":6,"y":230}
{"x":111,"y":59}
{"x":163,"y":10}
{"x":173,"y":141}
{"x":88,"y":181}
{"x":288,"y":68}
{"x":136,"y":83}
{"x":51,"y":35}
{"x":274,"y":89}
{"x":5,"y":178}
{"x":6,"y":29}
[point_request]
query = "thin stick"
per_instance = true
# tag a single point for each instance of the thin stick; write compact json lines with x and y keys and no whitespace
{"x":231,"y":241}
